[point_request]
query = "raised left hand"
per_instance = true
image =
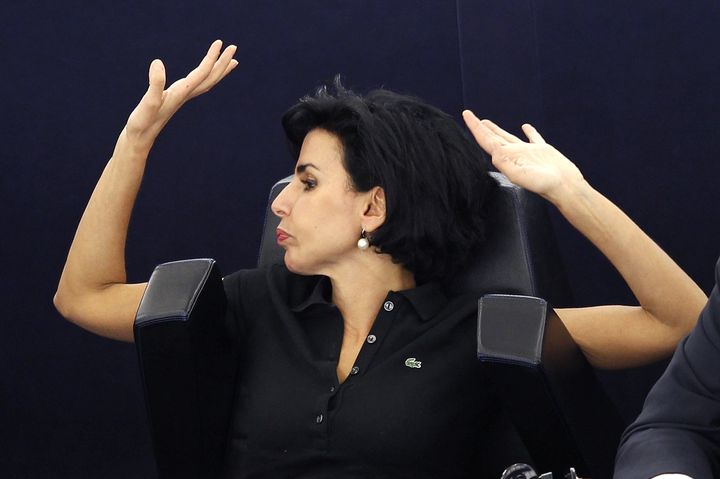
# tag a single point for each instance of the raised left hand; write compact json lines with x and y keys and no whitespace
{"x":534,"y":165}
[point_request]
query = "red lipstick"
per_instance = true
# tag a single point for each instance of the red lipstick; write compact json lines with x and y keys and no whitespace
{"x":281,"y":235}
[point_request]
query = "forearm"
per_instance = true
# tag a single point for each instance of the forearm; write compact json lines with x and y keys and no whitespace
{"x":661,"y":287}
{"x":662,"y":450}
{"x":670,"y":301}
{"x":96,"y":260}
{"x":610,"y":336}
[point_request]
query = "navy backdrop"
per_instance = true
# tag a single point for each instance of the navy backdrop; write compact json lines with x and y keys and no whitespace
{"x":626,"y":89}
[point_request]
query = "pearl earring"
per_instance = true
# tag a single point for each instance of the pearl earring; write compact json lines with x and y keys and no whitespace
{"x":363,"y":243}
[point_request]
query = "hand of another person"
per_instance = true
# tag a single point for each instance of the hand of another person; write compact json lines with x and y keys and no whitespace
{"x":534,"y":165}
{"x":158,"y":105}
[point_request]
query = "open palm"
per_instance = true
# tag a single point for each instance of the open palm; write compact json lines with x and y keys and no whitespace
{"x":535,"y":165}
{"x":158,"y":104}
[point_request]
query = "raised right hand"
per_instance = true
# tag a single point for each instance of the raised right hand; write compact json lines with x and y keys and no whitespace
{"x":158,"y":105}
{"x":93,"y":291}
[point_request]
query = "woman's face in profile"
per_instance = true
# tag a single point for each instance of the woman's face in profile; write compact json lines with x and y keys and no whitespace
{"x":320,"y":214}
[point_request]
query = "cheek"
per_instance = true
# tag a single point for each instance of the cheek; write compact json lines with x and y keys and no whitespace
{"x":330,"y":215}
{"x":327,"y":235}
{"x":326,"y":220}
{"x":330,"y":234}
{"x":338,"y":223}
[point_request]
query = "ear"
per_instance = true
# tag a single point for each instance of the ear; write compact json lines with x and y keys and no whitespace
{"x":374,"y":209}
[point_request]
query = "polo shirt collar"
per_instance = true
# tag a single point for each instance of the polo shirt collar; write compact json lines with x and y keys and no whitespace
{"x":320,"y":294}
{"x":427,"y":299}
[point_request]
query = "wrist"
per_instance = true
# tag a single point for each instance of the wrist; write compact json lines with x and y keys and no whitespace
{"x":570,"y":193}
{"x":133,"y":145}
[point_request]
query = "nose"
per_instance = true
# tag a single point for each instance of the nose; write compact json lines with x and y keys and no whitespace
{"x":281,"y":204}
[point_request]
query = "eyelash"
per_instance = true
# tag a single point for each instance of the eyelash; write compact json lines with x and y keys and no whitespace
{"x":309,"y":184}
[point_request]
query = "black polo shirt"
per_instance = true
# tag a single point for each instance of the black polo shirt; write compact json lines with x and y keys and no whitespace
{"x":413,"y":405}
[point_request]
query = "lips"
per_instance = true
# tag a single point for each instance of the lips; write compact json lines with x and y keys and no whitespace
{"x":281,"y":235}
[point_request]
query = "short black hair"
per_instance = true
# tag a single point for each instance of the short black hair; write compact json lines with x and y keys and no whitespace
{"x":434,"y":176}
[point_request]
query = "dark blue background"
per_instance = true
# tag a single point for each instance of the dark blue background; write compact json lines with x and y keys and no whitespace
{"x":626,"y":89}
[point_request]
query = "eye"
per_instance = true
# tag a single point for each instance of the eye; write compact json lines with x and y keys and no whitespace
{"x":309,"y":184}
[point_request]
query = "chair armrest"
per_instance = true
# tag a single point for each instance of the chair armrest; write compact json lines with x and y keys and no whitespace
{"x":188,"y":367}
{"x":547,"y":386}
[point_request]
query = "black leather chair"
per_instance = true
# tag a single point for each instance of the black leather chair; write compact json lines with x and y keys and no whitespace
{"x":557,"y":415}
{"x":547,"y":387}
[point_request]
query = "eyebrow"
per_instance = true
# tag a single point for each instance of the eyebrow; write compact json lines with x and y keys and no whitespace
{"x":301,"y":168}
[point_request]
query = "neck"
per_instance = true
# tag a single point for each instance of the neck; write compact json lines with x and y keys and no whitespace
{"x":359,"y":289}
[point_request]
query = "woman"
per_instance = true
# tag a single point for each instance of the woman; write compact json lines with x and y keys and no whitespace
{"x":355,"y":363}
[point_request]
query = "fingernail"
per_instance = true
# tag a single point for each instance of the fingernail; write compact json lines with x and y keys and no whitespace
{"x":470,"y":116}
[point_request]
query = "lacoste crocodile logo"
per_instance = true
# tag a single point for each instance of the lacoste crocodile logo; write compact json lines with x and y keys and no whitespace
{"x":413,"y":363}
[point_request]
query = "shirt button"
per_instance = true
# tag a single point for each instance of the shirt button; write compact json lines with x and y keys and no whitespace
{"x":319,"y":419}
{"x":389,"y":305}
{"x":354,"y":370}
{"x":332,"y":389}
{"x":371,"y":339}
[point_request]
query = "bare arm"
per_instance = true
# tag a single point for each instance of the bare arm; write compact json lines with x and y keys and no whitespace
{"x":92,"y":291}
{"x":610,"y":336}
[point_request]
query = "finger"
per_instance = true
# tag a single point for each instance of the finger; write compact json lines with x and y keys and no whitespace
{"x":532,"y":134}
{"x":198,"y":75}
{"x":156,"y":83}
{"x":231,"y":66}
{"x":222,"y":67}
{"x":508,"y":137}
{"x":485,"y":137}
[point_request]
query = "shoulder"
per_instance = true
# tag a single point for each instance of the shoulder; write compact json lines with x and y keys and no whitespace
{"x":235,"y":283}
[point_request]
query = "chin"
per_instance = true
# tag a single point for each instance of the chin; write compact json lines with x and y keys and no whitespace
{"x":291,"y":267}
{"x":306,"y":263}
{"x":294,"y":267}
